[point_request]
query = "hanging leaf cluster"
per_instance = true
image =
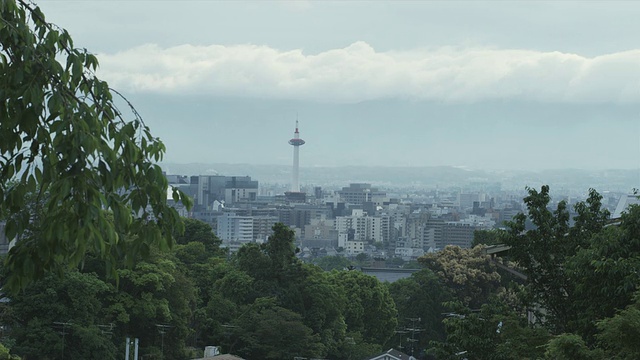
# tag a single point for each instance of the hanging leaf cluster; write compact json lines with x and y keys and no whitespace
{"x":90,"y":169}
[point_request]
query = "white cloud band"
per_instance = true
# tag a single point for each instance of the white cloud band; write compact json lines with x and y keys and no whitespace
{"x":358,"y":73}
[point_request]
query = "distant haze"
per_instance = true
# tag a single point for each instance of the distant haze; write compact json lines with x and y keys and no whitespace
{"x":570,"y":181}
{"x":486,"y":135}
{"x":478,"y":85}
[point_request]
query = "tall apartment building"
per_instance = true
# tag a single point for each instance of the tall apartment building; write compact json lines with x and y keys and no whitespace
{"x":354,"y":225}
{"x":378,"y":228}
{"x":263,"y":227}
{"x":235,"y":228}
{"x":397,"y":221}
{"x":432,"y":233}
{"x":415,"y":223}
{"x":360,"y":227}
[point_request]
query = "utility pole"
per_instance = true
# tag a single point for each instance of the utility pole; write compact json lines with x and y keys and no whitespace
{"x":162,"y":328}
{"x":63,"y":332}
{"x":413,"y":330}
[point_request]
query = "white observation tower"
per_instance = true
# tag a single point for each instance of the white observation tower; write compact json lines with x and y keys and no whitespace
{"x":296,"y":142}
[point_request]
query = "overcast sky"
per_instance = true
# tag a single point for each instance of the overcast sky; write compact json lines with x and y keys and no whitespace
{"x":501,"y":85}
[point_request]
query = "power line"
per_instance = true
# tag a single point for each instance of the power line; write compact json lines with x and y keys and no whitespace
{"x":63,"y":332}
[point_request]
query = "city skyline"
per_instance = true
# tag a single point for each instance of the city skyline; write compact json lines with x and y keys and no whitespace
{"x":485,"y":85}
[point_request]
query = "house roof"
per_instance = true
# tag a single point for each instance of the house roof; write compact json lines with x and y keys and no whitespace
{"x":393,"y":354}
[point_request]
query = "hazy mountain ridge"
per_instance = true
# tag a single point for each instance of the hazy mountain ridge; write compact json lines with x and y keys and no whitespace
{"x":423,"y":177}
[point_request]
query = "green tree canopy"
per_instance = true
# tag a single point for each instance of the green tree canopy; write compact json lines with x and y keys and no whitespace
{"x":63,"y":138}
{"x":366,"y":296}
{"x":619,"y":334}
{"x":201,"y":232}
{"x":571,"y":347}
{"x":6,"y":355}
{"x":421,"y":296}
{"x":335,"y":262}
{"x":274,"y":271}
{"x":578,"y":274}
{"x":154,"y":293}
{"x":493,"y":332}
{"x":363,"y":259}
{"x":72,"y":304}
{"x":272,"y":332}
{"x":488,"y":237}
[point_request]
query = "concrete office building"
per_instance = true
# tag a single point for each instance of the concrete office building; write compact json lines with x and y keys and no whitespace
{"x":456,"y":233}
{"x":360,"y":193}
{"x":231,"y":189}
{"x":301,"y":215}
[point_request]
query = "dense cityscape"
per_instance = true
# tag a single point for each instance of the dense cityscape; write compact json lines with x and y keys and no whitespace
{"x":461,"y":182}
{"x":360,"y":218}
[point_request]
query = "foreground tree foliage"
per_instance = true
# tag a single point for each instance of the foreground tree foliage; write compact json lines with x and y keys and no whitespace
{"x":329,"y":263}
{"x":264,"y":297}
{"x":495,"y":331}
{"x":84,"y":313}
{"x":619,"y":334}
{"x":583,"y":277}
{"x":264,"y":319}
{"x":578,"y":274}
{"x":6,"y":355}
{"x":422,"y":296}
{"x":571,"y":347}
{"x":488,"y":237}
{"x":263,"y":302}
{"x":468,"y":309}
{"x":79,"y":177}
{"x":60,"y":315}
{"x":63,"y":138}
{"x":365,"y":296}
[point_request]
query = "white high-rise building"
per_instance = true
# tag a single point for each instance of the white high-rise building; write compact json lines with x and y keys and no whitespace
{"x":359,"y":226}
{"x":232,"y":227}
